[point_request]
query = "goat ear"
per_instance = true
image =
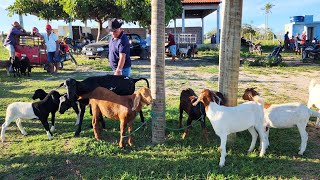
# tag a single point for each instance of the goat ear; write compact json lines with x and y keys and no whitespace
{"x":136,"y":101}
{"x":62,"y":84}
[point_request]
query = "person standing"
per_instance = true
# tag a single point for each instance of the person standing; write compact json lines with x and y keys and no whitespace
{"x":10,"y":40}
{"x":52,"y":44}
{"x":296,"y":43}
{"x":214,"y":41}
{"x":303,"y":38}
{"x":148,"y":44}
{"x":172,"y":46}
{"x":286,"y":40}
{"x":119,"y":49}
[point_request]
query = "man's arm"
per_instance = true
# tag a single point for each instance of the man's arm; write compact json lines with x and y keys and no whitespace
{"x":122,"y":59}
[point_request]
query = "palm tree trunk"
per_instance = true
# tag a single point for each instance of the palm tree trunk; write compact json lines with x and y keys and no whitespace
{"x":229,"y":59}
{"x":157,"y":70}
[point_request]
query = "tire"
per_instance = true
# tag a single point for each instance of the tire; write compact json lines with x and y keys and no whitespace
{"x":73,"y":60}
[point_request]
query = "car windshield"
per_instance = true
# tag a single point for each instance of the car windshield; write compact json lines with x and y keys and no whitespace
{"x":106,"y":38}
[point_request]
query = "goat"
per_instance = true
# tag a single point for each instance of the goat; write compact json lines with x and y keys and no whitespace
{"x":31,"y":110}
{"x":187,"y":97}
{"x":314,"y":98}
{"x":25,"y":66}
{"x":285,"y":116}
{"x":16,"y":66}
{"x":6,"y":64}
{"x":121,"y":85}
{"x":227,"y":120}
{"x":184,"y":51}
{"x":123,"y":108}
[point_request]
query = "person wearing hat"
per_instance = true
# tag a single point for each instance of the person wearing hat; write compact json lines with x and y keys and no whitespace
{"x":52,"y":43}
{"x":10,"y":40}
{"x":119,"y":49}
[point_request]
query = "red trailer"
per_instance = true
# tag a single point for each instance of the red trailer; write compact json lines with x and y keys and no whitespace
{"x":33,"y":48}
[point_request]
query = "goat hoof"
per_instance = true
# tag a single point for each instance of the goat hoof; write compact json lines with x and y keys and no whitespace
{"x":52,"y":128}
{"x":300,"y":153}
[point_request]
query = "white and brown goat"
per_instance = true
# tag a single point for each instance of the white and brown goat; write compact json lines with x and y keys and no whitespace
{"x":285,"y":116}
{"x":227,"y":120}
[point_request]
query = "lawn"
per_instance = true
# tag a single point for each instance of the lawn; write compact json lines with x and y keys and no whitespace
{"x":67,"y":157}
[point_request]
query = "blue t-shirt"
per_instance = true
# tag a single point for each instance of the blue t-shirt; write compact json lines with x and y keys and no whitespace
{"x":10,"y":39}
{"x":117,"y":46}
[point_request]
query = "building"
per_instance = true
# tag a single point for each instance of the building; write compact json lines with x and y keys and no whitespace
{"x":298,"y":24}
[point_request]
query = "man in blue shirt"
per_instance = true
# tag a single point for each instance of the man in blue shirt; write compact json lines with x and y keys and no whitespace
{"x":119,"y":49}
{"x":10,"y":40}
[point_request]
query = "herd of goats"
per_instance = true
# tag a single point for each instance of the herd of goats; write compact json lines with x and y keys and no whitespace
{"x":115,"y":97}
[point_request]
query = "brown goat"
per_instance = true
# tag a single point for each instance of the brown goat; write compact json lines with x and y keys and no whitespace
{"x":249,"y":93}
{"x":187,"y":97}
{"x":113,"y":106}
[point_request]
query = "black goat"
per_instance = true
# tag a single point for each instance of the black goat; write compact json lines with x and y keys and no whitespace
{"x":121,"y":85}
{"x":25,"y":67}
{"x":41,"y":94}
{"x":36,"y":110}
{"x":16,"y":66}
{"x":187,"y":97}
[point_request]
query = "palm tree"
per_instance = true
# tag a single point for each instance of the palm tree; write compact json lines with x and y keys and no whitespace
{"x":267,"y":9}
{"x":229,"y":58}
{"x":157,"y":70}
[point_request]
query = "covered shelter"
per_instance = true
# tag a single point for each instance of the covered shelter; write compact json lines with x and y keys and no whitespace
{"x":199,"y":9}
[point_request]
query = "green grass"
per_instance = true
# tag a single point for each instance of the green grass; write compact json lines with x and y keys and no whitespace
{"x":67,"y":157}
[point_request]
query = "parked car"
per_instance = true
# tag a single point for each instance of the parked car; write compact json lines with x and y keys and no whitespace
{"x":101,"y":49}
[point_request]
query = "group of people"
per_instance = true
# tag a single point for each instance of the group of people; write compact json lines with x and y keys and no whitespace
{"x":294,"y":41}
{"x":119,"y":46}
{"x":51,"y":41}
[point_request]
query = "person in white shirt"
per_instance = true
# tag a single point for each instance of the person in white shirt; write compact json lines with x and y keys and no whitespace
{"x":52,"y":44}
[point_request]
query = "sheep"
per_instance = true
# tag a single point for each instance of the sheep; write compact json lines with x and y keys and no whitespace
{"x":121,"y":85}
{"x":285,"y":116}
{"x":113,"y":106}
{"x":31,"y":110}
{"x":314,"y":98}
{"x":227,"y":120}
{"x":187,"y":97}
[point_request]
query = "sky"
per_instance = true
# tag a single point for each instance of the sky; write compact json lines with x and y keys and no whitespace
{"x":251,"y":14}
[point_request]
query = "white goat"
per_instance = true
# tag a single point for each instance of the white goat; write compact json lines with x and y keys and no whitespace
{"x":184,"y":51}
{"x":314,"y":98}
{"x":31,"y":110}
{"x":285,"y":116}
{"x":227,"y":120}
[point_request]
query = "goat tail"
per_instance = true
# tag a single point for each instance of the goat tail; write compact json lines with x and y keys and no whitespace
{"x":136,"y":80}
{"x":312,"y":84}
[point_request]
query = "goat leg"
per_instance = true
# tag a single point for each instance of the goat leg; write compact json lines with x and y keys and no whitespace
{"x":82,"y":110}
{"x":130,"y":128}
{"x":46,"y":127}
{"x":122,"y":133}
{"x":52,"y":121}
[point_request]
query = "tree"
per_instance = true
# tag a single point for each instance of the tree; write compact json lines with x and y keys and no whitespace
{"x":229,"y":59}
{"x":247,"y":31}
{"x":267,"y":9}
{"x":140,"y":11}
{"x":97,"y":10}
{"x":157,"y":70}
{"x":48,"y":10}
